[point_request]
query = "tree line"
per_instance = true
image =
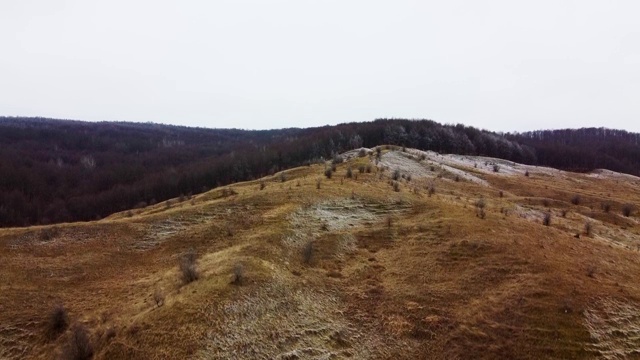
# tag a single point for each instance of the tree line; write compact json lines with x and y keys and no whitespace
{"x":55,"y":171}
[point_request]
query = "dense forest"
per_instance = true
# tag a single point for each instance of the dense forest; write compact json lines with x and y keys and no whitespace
{"x":59,"y":170}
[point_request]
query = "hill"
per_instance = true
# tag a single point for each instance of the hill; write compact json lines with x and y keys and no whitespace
{"x":395,"y":254}
{"x":57,"y":171}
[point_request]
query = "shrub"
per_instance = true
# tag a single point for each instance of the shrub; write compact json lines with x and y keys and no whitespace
{"x":588,"y":228}
{"x":238,"y":274}
{"x":606,"y":207}
{"x":328,"y":173}
{"x":480,"y":205}
{"x":546,"y":220}
{"x":188,"y":269}
{"x":564,"y":212}
{"x":262,"y":185}
{"x":388,"y":221}
{"x":307,"y":252}
{"x":349,"y":172}
{"x":79,"y":346}
{"x":396,"y":174}
{"x":409,"y":177}
{"x":361,"y":169}
{"x":526,"y":173}
{"x":362,"y":152}
{"x":368,"y":169}
{"x":283,"y":177}
{"x":58,"y":321}
{"x":333,"y":167}
{"x":337,"y":159}
{"x":627,"y":210}
{"x":158,"y":297}
{"x":496,"y":168}
{"x":501,"y":193}
{"x":545,"y":202}
{"x":576,"y":200}
{"x":318,"y":182}
{"x":457,"y":178}
{"x":47,"y":234}
{"x":431,"y":190}
{"x":396,"y":186}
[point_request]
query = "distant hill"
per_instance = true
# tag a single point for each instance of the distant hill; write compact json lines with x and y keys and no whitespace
{"x":61,"y":170}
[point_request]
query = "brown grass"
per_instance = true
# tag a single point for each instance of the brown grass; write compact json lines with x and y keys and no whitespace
{"x":439,"y":283}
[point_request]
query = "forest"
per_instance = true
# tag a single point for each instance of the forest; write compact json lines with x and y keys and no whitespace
{"x":54,"y":171}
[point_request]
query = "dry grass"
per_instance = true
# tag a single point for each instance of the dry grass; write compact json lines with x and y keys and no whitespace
{"x":395,"y":274}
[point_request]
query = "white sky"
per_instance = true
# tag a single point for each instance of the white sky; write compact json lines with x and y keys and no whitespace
{"x":498,"y":65}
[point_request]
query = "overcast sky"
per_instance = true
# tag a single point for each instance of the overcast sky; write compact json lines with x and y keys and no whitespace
{"x":497,"y":65}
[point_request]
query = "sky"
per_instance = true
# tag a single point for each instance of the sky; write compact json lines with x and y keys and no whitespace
{"x":497,"y":65}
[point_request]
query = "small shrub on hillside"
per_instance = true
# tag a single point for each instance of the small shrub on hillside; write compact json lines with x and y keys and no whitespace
{"x":318,"y":182}
{"x":334,"y":167}
{"x":526,"y":173}
{"x":188,"y":269}
{"x":496,"y":168}
{"x":576,"y":200}
{"x":501,"y":193}
{"x":431,"y":190}
{"x":368,"y":169}
{"x":361,"y":169}
{"x":627,"y":210}
{"x":262,"y":185}
{"x":238,"y":274}
{"x":158,"y":297}
{"x":564,"y":213}
{"x":457,"y":179}
{"x":337,"y":159}
{"x":349,"y":172}
{"x":47,"y":234}
{"x":409,"y":177}
{"x":388,"y":221}
{"x":480,"y":205}
{"x":58,"y":321}
{"x":362,"y":153}
{"x":328,"y":173}
{"x":283,"y":177}
{"x":605,"y":206}
{"x":396,"y":174}
{"x":546,"y":220}
{"x":79,"y":346}
{"x":545,"y":202}
{"x":432,"y":168}
{"x":588,"y":228}
{"x":396,"y":186}
{"x":307,"y":252}
{"x":423,"y":157}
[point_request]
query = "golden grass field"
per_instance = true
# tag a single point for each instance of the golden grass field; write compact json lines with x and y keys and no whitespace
{"x":352,"y":270}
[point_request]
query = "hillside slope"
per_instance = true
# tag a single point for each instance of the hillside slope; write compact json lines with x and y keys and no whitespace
{"x":457,"y":263}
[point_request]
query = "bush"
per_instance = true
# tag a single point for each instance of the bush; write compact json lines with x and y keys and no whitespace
{"x":307,"y":252}
{"x":158,"y":297}
{"x":79,"y":346}
{"x":238,"y":274}
{"x":58,"y":321}
{"x":318,"y":182}
{"x":361,"y":169}
{"x":349,"y":173}
{"x":328,"y":173}
{"x":283,"y":177}
{"x":526,"y":173}
{"x":606,"y":207}
{"x":388,"y":221}
{"x":262,"y":185}
{"x":396,"y":174}
{"x":368,"y":169}
{"x":546,"y":220}
{"x":362,"y":153}
{"x":496,"y":168}
{"x":337,"y":159}
{"x":408,"y":177}
{"x":396,"y":186}
{"x":188,"y":270}
{"x":588,"y":228}
{"x":480,"y":205}
{"x":627,"y":210}
{"x":431,"y":190}
{"x":576,"y":200}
